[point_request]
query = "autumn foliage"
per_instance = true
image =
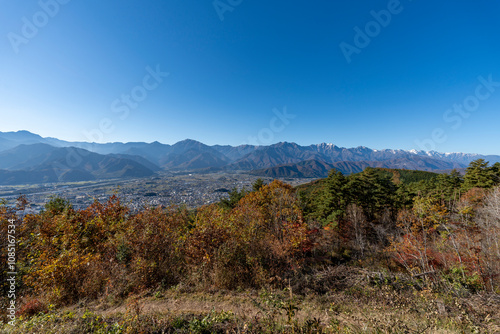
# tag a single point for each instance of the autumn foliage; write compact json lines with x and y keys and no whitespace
{"x":66,"y":255}
{"x":441,"y":235}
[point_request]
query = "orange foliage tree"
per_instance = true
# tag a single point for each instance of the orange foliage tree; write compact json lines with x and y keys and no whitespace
{"x":253,"y":244}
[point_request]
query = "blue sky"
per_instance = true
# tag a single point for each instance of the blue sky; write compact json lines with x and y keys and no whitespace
{"x":67,"y":68}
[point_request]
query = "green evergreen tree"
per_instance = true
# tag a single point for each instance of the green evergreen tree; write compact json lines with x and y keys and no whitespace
{"x":479,"y":175}
{"x":496,"y":172}
{"x":57,"y":205}
{"x":372,"y":191}
{"x":234,"y":198}
{"x":334,"y":199}
{"x":448,"y":185}
{"x":259,"y":183}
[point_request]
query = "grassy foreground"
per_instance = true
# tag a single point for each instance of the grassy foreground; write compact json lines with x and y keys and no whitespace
{"x":356,"y":303}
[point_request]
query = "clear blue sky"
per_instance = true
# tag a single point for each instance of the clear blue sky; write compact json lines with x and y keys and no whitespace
{"x":226,"y":76}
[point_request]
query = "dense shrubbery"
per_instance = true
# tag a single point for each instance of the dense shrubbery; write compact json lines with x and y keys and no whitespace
{"x":443,"y":230}
{"x":66,"y":255}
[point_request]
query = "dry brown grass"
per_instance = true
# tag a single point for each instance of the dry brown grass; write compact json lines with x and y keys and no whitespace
{"x":360,"y":308}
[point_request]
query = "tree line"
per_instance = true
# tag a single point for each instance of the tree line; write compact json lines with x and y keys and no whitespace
{"x":442,"y":230}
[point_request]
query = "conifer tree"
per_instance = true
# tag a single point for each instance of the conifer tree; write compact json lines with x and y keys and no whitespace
{"x":333,"y":201}
{"x":479,"y":175}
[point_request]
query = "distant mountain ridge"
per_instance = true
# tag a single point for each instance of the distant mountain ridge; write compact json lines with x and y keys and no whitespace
{"x":24,"y":152}
{"x":42,"y":163}
{"x":319,"y":169}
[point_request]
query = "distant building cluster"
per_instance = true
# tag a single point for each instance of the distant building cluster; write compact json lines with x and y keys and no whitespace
{"x":191,"y":190}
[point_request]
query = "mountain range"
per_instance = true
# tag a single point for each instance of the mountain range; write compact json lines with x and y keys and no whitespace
{"x":29,"y":158}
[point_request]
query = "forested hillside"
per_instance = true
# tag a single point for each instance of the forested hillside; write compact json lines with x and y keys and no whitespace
{"x":394,"y":239}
